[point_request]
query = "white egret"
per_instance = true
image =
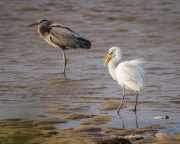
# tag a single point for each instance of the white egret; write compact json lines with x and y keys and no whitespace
{"x":128,"y":74}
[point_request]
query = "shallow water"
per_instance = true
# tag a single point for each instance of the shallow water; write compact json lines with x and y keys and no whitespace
{"x":32,"y":85}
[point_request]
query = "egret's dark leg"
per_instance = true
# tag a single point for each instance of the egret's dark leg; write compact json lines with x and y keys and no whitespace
{"x":64,"y":60}
{"x":122,"y":98}
{"x":136,"y":101}
{"x":121,"y":121}
{"x":136,"y":119}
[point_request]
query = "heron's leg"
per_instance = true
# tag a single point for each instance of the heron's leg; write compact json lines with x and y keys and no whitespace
{"x":64,"y":60}
{"x":122,"y":98}
{"x":136,"y":101}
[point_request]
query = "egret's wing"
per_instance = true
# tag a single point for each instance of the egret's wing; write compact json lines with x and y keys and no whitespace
{"x":64,"y":36}
{"x":135,"y":64}
{"x":131,"y":75}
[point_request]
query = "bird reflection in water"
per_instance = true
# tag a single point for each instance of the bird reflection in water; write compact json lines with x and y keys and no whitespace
{"x":122,"y":123}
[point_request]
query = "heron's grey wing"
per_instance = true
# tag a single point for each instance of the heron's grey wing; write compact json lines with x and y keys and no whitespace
{"x":64,"y":36}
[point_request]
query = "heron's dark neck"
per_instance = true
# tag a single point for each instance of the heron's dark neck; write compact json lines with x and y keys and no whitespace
{"x":43,"y":30}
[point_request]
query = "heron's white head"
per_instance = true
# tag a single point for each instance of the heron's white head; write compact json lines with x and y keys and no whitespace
{"x":115,"y":54}
{"x":40,"y":22}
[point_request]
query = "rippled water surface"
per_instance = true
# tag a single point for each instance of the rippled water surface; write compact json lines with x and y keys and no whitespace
{"x":30,"y":69}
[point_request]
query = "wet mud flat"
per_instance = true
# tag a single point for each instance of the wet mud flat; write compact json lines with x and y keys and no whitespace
{"x":18,"y":131}
{"x":73,"y":123}
{"x":88,"y":120}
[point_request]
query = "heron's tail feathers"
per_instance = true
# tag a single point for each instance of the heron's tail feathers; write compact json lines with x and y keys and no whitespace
{"x":83,"y":43}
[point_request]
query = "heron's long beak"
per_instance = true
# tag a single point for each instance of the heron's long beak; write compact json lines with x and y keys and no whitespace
{"x":34,"y":24}
{"x":107,"y":58}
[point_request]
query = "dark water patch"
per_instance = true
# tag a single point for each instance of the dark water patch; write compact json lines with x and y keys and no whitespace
{"x":165,"y":3}
{"x":25,"y":9}
{"x":175,"y":101}
{"x":13,"y":119}
{"x":148,"y":21}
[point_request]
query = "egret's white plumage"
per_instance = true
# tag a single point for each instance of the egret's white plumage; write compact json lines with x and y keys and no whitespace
{"x":128,"y":74}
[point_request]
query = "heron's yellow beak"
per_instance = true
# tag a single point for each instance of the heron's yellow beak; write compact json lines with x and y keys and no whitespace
{"x":107,"y":58}
{"x":34,"y":24}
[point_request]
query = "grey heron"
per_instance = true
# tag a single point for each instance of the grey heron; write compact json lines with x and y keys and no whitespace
{"x":60,"y":36}
{"x":128,"y":74}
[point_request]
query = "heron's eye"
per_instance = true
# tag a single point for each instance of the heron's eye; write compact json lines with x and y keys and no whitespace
{"x":43,"y":20}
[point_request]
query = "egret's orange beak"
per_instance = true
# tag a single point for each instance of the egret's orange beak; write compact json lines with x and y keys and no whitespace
{"x":107,"y":58}
{"x":34,"y":24}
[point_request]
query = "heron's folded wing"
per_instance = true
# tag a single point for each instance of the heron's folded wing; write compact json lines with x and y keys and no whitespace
{"x":64,"y":36}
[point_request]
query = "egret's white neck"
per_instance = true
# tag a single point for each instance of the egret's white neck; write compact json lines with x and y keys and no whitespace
{"x":112,"y":68}
{"x":112,"y":65}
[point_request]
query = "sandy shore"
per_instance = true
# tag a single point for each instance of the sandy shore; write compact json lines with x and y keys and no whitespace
{"x":92,"y":128}
{"x":17,"y":131}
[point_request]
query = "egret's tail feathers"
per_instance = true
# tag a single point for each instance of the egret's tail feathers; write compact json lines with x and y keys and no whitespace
{"x":139,"y":61}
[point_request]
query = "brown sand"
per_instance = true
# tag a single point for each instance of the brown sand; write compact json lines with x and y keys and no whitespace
{"x":16,"y":131}
{"x":78,"y":116}
{"x":90,"y":130}
{"x":116,"y":141}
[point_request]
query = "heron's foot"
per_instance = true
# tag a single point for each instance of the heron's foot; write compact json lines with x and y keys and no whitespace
{"x":133,"y":109}
{"x":63,"y":75}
